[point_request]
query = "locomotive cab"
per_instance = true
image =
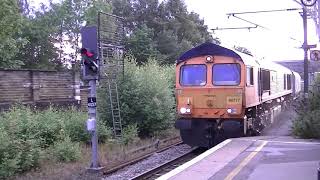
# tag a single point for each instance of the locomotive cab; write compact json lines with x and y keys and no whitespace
{"x":210,"y":103}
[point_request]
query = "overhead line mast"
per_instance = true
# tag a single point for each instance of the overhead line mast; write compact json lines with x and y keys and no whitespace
{"x":305,"y":46}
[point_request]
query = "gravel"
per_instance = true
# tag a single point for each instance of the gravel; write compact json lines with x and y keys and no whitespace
{"x":149,"y":163}
{"x":282,"y":125}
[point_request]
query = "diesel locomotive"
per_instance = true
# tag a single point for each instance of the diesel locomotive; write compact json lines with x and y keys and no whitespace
{"x":222,"y":93}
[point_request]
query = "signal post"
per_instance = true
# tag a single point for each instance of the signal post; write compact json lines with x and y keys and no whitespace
{"x":90,"y":72}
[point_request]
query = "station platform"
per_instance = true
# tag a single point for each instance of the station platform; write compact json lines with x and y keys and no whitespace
{"x":252,"y":158}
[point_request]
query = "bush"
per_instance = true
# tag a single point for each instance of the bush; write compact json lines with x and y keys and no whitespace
{"x":307,"y":123}
{"x":19,"y":146}
{"x":104,"y":132}
{"x":8,"y":158}
{"x":75,"y":125}
{"x":130,"y":134}
{"x":146,"y":94}
{"x":70,"y":122}
{"x":50,"y":124}
{"x":25,"y":134}
{"x":103,"y":105}
{"x":19,"y":123}
{"x":66,"y":150}
{"x":147,"y":98}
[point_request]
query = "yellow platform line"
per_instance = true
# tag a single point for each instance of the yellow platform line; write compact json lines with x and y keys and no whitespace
{"x":244,"y":162}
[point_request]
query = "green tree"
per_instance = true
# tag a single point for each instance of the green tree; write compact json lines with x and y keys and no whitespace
{"x":40,"y":51}
{"x":141,"y":45}
{"x":24,"y":7}
{"x":167,"y":44}
{"x":123,"y":8}
{"x":73,"y":15}
{"x":91,"y":13}
{"x":11,"y":23}
{"x":51,"y":30}
{"x":174,"y":28}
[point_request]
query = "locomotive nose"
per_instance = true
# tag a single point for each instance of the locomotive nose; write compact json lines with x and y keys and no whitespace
{"x":217,"y":103}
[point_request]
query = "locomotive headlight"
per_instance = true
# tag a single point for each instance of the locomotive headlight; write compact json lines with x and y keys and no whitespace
{"x":184,"y":110}
{"x":231,"y":110}
{"x":209,"y":59}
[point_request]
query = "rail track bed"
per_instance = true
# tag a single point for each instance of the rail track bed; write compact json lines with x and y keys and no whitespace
{"x":140,"y":165}
{"x":168,"y":166}
{"x":144,"y":152}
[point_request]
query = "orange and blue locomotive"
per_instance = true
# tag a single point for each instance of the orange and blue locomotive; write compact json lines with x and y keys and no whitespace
{"x":222,"y":93}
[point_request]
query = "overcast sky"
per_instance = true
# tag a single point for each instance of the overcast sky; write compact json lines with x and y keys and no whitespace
{"x":275,"y":43}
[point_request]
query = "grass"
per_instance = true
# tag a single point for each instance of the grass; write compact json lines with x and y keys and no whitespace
{"x":111,"y":154}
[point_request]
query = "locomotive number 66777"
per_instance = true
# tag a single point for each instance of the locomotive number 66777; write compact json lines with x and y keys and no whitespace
{"x":222,"y":93}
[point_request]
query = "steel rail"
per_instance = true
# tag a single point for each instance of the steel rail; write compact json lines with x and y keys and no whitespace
{"x":168,"y":166}
{"x":143,"y":156}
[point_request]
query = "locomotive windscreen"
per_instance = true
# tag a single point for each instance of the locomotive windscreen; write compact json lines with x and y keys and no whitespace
{"x":193,"y":75}
{"x":226,"y":74}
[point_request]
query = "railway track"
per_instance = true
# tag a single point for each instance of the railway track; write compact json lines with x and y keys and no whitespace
{"x":149,"y":150}
{"x":168,"y":166}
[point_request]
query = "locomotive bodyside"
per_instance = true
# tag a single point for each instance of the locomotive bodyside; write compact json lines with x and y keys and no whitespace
{"x":278,"y":81}
{"x":266,"y":81}
{"x":296,"y":84}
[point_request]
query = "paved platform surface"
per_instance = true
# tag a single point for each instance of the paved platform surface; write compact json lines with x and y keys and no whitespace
{"x":262,"y":158}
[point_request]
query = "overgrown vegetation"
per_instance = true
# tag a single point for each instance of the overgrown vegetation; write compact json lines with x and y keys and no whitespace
{"x":26,"y":136}
{"x":146,"y":97}
{"x":147,"y":106}
{"x":307,"y":123}
{"x":66,"y":151}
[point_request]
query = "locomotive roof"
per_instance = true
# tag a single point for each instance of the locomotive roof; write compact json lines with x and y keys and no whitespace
{"x":216,"y":50}
{"x":207,"y":49}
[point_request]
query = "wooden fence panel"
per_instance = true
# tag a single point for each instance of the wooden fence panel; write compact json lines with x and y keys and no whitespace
{"x":55,"y":86}
{"x":15,"y":86}
{"x":32,"y":86}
